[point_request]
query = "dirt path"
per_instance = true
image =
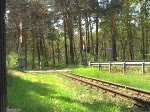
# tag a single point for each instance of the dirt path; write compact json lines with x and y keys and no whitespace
{"x":41,"y":71}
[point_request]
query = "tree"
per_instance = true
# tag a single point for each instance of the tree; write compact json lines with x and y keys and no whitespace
{"x":117,"y":24}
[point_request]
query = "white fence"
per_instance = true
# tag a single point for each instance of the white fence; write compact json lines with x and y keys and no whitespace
{"x":123,"y":64}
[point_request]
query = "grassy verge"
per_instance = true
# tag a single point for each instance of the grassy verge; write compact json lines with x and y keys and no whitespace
{"x":138,"y":81}
{"x":50,"y":92}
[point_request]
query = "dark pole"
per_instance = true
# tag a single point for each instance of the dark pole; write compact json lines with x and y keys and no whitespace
{"x":2,"y":58}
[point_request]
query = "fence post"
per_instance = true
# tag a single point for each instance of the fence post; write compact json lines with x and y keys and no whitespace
{"x":110,"y":67}
{"x":124,"y":67}
{"x":99,"y":66}
{"x":40,"y":65}
{"x":143,"y":67}
{"x":89,"y":63}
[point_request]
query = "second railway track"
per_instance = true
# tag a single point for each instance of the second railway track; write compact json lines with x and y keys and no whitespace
{"x":138,"y":97}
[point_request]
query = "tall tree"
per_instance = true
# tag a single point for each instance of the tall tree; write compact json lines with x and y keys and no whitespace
{"x":113,"y":8}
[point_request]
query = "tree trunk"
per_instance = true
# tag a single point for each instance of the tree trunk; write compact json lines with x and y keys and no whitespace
{"x":92,"y":44}
{"x":146,"y":42}
{"x":41,"y":47}
{"x":65,"y":39}
{"x":143,"y":42}
{"x":80,"y":30}
{"x":53,"y":52}
{"x":144,"y":16}
{"x":130,"y":40}
{"x":87,"y":35}
{"x":76,"y":56}
{"x":96,"y":48}
{"x":146,"y":32}
{"x":33,"y":52}
{"x":25,"y":45}
{"x":71,"y":48}
{"x":97,"y":39}
{"x":123,"y":50}
{"x":58,"y":53}
{"x":38,"y":53}
{"x":70,"y":33}
{"x":113,"y":32}
{"x":45,"y":53}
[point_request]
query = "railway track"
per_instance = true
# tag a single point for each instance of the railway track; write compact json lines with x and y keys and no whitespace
{"x":138,"y":97}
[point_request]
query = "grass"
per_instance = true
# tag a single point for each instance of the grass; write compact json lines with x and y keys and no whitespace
{"x":50,"y":92}
{"x":138,"y":81}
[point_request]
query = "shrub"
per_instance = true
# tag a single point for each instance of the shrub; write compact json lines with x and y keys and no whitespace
{"x":11,"y":60}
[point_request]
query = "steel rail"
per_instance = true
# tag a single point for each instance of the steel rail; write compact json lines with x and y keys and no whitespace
{"x":138,"y":97}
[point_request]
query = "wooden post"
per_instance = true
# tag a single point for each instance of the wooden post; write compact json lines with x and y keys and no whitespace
{"x":110,"y":67}
{"x":3,"y":88}
{"x":99,"y":66}
{"x":143,"y":67}
{"x":124,"y":67}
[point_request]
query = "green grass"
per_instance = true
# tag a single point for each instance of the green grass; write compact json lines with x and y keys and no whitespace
{"x":138,"y":81}
{"x":50,"y":92}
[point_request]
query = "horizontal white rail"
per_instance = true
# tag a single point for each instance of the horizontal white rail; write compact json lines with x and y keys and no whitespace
{"x":123,"y":64}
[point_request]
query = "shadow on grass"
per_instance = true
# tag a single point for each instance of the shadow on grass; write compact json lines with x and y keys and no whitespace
{"x":29,"y":96}
{"x":35,"y":96}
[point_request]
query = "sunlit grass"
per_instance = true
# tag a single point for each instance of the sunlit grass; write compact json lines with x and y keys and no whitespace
{"x":134,"y":80}
{"x":50,"y":92}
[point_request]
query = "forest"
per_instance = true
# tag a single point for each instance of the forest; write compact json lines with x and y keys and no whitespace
{"x":69,"y":32}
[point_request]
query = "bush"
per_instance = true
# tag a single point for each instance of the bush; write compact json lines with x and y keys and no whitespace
{"x":11,"y":60}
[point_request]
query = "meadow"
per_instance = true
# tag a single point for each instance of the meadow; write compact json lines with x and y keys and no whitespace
{"x":51,"y":92}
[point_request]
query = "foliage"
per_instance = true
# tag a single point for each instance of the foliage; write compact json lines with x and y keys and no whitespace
{"x":53,"y":30}
{"x":12,"y":60}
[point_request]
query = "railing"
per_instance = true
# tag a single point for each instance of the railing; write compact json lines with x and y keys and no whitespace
{"x":123,"y":64}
